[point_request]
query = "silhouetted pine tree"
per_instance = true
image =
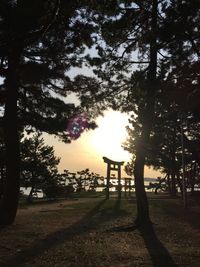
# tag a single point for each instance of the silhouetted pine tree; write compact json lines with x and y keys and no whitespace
{"x":40,"y":41}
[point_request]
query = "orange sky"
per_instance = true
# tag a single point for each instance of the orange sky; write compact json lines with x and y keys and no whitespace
{"x":88,"y":150}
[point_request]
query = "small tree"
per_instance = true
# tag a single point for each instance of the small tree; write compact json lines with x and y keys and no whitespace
{"x":38,"y":164}
{"x":82,"y":180}
{"x":95,"y":181}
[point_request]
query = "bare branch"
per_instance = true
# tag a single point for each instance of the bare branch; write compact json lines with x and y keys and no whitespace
{"x":33,"y":58}
{"x":163,"y":55}
{"x":139,"y":62}
{"x":61,"y":89}
{"x":160,"y":16}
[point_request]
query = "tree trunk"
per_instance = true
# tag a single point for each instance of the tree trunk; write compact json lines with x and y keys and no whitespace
{"x":168,"y":182}
{"x":193,"y":177}
{"x":179,"y":183}
{"x":173,"y":183}
{"x":2,"y":179}
{"x":173,"y":165}
{"x":142,"y":202}
{"x":9,"y":200}
{"x":1,"y":182}
{"x":30,"y":196}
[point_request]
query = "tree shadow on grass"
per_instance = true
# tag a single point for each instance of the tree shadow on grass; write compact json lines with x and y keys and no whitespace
{"x":159,"y":254}
{"x":88,"y":222}
{"x":176,"y":212}
{"x":117,"y":206}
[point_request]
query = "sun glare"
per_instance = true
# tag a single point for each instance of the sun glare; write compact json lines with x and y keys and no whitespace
{"x":88,"y":150}
{"x":109,"y":136}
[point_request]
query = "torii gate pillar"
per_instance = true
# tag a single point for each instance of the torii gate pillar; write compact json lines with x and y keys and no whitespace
{"x":113,"y":166}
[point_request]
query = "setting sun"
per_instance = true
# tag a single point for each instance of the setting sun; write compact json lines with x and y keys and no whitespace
{"x":107,"y":139}
{"x":88,"y":150}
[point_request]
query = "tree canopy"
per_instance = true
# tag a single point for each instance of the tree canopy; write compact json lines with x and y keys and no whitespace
{"x":40,"y":42}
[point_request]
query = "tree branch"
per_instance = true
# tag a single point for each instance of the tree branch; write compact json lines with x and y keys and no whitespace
{"x":193,"y":44}
{"x":138,"y":3}
{"x":56,"y":87}
{"x":163,"y":55}
{"x":33,"y":37}
{"x":139,"y":62}
{"x":3,"y":72}
{"x":128,"y":9}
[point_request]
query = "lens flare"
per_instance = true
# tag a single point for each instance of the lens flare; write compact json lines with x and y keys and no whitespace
{"x":76,"y":126}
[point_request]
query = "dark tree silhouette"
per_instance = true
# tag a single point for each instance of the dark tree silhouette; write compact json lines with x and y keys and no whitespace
{"x":38,"y":165}
{"x":164,"y":35}
{"x":131,"y":26}
{"x":15,"y":36}
{"x":40,"y":41}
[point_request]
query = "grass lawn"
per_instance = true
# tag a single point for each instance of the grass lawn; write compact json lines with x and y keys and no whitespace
{"x":79,"y":233}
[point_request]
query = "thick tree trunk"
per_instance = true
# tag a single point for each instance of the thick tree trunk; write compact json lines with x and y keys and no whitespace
{"x":142,"y":202}
{"x":147,"y":118}
{"x":9,"y":200}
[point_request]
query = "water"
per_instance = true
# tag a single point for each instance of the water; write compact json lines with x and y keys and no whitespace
{"x":26,"y":191}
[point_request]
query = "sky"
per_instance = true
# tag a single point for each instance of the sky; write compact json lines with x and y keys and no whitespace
{"x":88,"y":150}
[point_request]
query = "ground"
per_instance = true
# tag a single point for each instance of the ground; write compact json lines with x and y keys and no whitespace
{"x":81,"y":233}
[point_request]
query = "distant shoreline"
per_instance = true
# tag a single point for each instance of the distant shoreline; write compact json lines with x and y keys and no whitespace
{"x":148,"y":179}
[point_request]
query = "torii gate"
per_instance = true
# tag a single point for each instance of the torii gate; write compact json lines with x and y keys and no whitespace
{"x":113,"y":166}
